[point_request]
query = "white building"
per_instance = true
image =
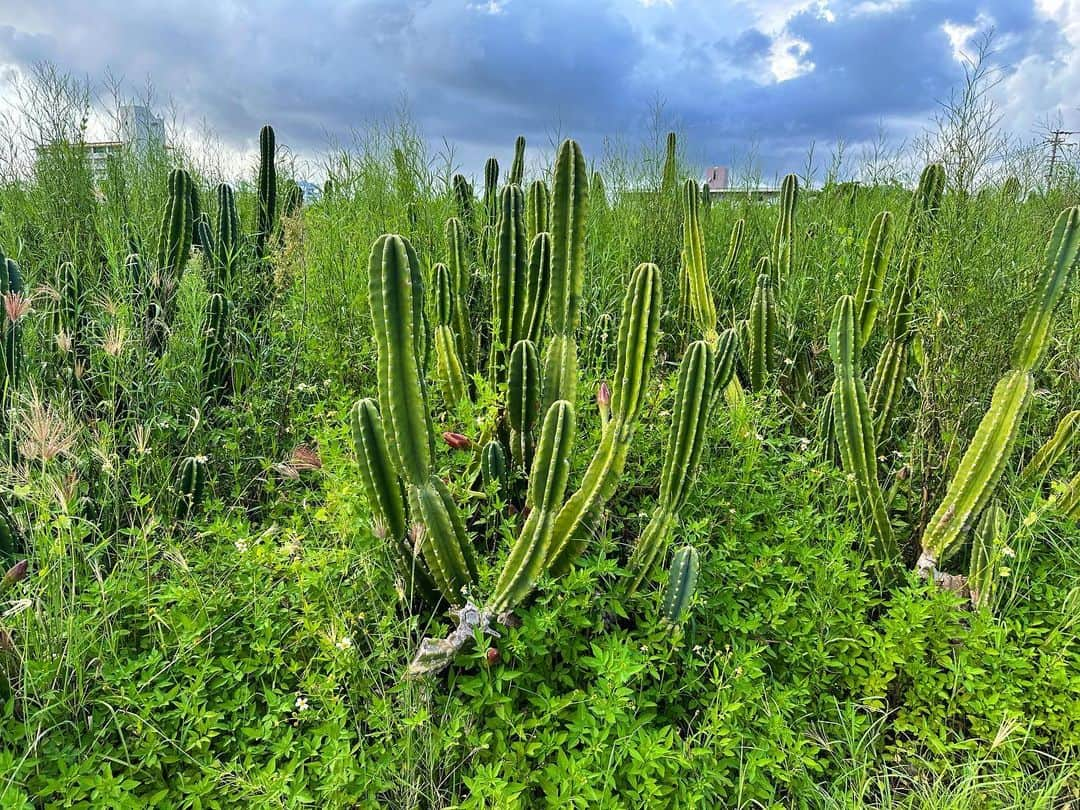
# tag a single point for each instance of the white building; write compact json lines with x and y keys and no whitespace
{"x":139,"y":130}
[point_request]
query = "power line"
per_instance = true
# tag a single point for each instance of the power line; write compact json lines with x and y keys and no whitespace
{"x":1056,"y":140}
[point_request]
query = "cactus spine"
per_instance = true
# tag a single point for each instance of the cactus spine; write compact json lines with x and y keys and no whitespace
{"x":267,"y":202}
{"x":191,"y":481}
{"x":764,"y":326}
{"x":689,"y":422}
{"x":570,"y":199}
{"x":855,"y":434}
{"x":988,"y":538}
{"x":517,"y":167}
{"x":1047,"y":456}
{"x":783,"y":243}
{"x":523,"y":402}
{"x":875,"y":260}
{"x":892,"y":364}
{"x":383,"y":490}
{"x":682,"y":579}
{"x":537,"y":209}
{"x":984,"y":460}
{"x":695,"y":266}
{"x":396,"y":293}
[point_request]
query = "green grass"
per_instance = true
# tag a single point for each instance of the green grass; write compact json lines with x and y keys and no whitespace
{"x":254,"y":655}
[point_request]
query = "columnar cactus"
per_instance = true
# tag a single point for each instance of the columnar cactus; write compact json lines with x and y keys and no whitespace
{"x":689,"y":423}
{"x":875,"y":260}
{"x":855,"y":434}
{"x":537,"y":209}
{"x":988,"y":539}
{"x":385,"y":496}
{"x":15,"y":303}
{"x":892,"y":364}
{"x":195,"y":205}
{"x":985,"y":459}
{"x":764,"y":326}
{"x":494,"y":471}
{"x":570,"y":200}
{"x":228,"y":237}
{"x":457,"y":249}
{"x":463,"y":200}
{"x":190,"y":483}
{"x":266,"y":210}
{"x":517,"y":167}
{"x":510,"y":284}
{"x":491,"y":191}
{"x":597,"y":192}
{"x":731,"y":261}
{"x":177,"y":223}
{"x":523,"y":402}
{"x":682,"y":579}
{"x":669,"y":174}
{"x":1047,"y":456}
{"x":783,"y":243}
{"x":1068,"y":503}
{"x":215,"y":358}
{"x":695,"y":266}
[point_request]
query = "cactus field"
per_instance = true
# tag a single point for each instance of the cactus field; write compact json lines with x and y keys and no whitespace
{"x":552,"y":481}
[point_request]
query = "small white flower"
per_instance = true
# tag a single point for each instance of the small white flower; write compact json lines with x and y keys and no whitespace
{"x":241,"y":545}
{"x":1006,"y":551}
{"x":344,"y":643}
{"x":302,"y":704}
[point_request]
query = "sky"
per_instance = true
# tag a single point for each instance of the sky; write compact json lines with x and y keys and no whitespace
{"x":735,"y":77}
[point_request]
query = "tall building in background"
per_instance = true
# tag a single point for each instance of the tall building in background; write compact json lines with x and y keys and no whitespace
{"x":716,"y":178}
{"x":140,"y":130}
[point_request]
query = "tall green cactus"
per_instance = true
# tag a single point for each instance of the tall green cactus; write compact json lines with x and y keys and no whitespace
{"x":266,"y":210}
{"x":783,"y":243}
{"x":686,"y":439}
{"x":764,"y":327}
{"x":457,"y":250}
{"x":494,"y":470}
{"x":1047,"y":456}
{"x":695,"y":265}
{"x":988,"y":539}
{"x":537,"y":209}
{"x":177,"y":223}
{"x":11,"y":289}
{"x":491,"y":191}
{"x":598,"y":192}
{"x":195,"y":204}
{"x":1068,"y":503}
{"x":228,"y":237}
{"x":547,"y":487}
{"x":669,"y":173}
{"x":729,"y":273}
{"x":510,"y":284}
{"x":855,"y":435}
{"x":215,"y":357}
{"x":875,"y":260}
{"x":449,"y":369}
{"x":570,"y":200}
{"x":638,"y":333}
{"x":517,"y":167}
{"x":190,"y":484}
{"x":985,"y":459}
{"x":396,"y":294}
{"x":463,"y":200}
{"x":918,"y":238}
{"x":682,"y":579}
{"x":523,"y":402}
{"x":537,"y":287}
{"x":384,"y":493}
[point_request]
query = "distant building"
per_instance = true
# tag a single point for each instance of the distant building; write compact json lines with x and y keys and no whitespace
{"x":716,"y":178}
{"x":139,"y":130}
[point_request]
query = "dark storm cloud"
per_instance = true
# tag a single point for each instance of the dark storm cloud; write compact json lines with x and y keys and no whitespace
{"x":479,"y":73}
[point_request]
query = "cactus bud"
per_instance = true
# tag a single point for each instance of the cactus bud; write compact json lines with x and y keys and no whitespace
{"x":16,"y":573}
{"x":603,"y":400}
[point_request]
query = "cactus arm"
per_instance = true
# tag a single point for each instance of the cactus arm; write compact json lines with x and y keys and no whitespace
{"x":980,"y":468}
{"x":448,"y":368}
{"x":457,"y":246}
{"x":537,"y":208}
{"x":509,"y":292}
{"x":783,"y":243}
{"x":682,"y":579}
{"x":537,"y":287}
{"x":764,"y":325}
{"x":442,"y":539}
{"x":875,"y":260}
{"x":986,"y":543}
{"x":491,"y":191}
{"x":517,"y":167}
{"x":523,"y":402}
{"x":855,"y":434}
{"x":547,"y":486}
{"x":1068,"y":503}
{"x":1047,"y":456}
{"x":1060,"y":258}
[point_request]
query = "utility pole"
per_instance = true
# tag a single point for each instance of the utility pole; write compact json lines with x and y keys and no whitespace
{"x":1056,"y":140}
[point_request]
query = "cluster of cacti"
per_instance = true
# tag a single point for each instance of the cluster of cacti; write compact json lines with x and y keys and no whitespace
{"x":987,"y":455}
{"x":533,"y":287}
